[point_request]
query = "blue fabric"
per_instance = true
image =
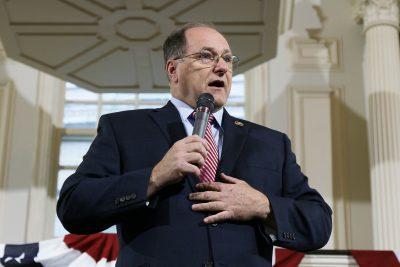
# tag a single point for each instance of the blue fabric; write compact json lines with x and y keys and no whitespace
{"x":20,"y":255}
{"x":110,"y":187}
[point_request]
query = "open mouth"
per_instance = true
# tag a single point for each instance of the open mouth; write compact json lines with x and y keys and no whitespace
{"x":217,"y":83}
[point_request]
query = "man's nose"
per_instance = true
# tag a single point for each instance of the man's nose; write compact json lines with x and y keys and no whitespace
{"x":221,"y":67}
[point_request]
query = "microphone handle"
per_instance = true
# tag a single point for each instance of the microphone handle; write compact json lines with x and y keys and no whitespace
{"x":200,"y":121}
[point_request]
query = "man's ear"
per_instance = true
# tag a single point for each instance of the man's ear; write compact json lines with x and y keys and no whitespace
{"x":170,"y":68}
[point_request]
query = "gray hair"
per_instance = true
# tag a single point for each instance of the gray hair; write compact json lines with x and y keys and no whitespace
{"x":175,"y":44}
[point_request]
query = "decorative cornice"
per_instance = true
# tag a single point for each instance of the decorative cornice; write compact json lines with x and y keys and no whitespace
{"x":323,"y":54}
{"x":377,"y":12}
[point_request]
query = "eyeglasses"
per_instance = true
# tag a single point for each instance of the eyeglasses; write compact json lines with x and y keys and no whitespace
{"x":207,"y":58}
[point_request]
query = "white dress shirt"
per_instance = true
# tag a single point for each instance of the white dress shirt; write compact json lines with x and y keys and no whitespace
{"x":185,"y":111}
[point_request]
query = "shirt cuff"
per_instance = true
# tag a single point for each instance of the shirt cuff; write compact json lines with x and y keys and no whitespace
{"x":270,"y":232}
{"x":152,"y":202}
{"x":270,"y":226}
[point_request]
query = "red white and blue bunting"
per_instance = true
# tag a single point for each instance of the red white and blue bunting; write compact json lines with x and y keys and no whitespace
{"x":101,"y":250}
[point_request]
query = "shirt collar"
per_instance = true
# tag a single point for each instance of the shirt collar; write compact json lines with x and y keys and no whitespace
{"x":185,"y":110}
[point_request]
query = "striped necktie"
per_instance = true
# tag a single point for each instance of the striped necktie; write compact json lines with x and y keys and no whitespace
{"x":209,"y":169}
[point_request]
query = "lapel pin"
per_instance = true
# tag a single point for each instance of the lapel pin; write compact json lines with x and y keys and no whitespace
{"x":239,"y":123}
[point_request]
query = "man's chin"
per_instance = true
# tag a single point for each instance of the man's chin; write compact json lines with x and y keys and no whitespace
{"x":219,"y":100}
{"x":219,"y":104}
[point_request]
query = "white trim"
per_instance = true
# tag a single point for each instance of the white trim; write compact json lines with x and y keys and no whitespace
{"x":41,"y":210}
{"x":341,"y":205}
{"x":328,"y":260}
{"x":324,"y":54}
{"x":7,"y":100}
{"x":7,"y":104}
{"x":256,"y":93}
{"x":286,"y":16}
{"x":3,"y":55}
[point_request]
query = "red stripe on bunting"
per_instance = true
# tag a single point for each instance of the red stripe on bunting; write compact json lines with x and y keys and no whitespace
{"x":376,"y":258}
{"x":98,"y":245}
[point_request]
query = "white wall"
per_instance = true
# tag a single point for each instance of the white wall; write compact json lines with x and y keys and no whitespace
{"x":25,"y":125}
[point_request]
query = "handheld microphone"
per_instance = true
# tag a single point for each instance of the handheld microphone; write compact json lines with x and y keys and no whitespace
{"x":204,"y":107}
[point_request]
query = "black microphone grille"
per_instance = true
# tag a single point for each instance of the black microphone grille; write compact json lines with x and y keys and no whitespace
{"x":205,"y":100}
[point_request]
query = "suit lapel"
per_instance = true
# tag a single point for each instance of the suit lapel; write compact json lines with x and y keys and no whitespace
{"x":235,"y":136}
{"x":170,"y":123}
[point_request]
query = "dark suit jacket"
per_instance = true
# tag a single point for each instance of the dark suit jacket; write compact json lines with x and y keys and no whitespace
{"x":110,"y":186}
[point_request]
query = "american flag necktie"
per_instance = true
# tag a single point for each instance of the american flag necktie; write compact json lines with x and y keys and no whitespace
{"x":209,"y":169}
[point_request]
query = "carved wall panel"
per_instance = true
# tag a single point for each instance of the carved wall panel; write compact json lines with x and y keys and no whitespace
{"x":316,"y":129}
{"x":313,"y":55}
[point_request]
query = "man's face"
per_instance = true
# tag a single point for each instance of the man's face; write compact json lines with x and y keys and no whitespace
{"x":190,"y":77}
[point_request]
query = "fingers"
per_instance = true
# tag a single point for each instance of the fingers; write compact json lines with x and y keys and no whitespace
{"x":188,"y":155}
{"x":196,"y":138}
{"x":185,"y":157}
{"x":209,"y":186}
{"x":190,"y":168}
{"x":205,"y":196}
{"x":209,"y":206}
{"x":230,"y":179}
{"x":196,"y":147}
{"x":219,"y":217}
{"x":195,"y":158}
{"x":192,"y":138}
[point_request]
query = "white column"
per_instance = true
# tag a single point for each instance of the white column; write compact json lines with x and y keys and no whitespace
{"x":382,"y":85}
{"x":257,"y":90}
{"x":31,"y":105}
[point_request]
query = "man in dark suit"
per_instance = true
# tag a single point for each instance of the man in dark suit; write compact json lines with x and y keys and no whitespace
{"x":180,"y":200}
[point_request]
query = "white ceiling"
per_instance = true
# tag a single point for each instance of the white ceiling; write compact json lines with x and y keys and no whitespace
{"x":115,"y":45}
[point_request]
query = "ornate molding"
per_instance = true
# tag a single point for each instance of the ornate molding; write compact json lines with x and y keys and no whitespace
{"x":104,"y":45}
{"x":377,"y":12}
{"x":324,"y":54}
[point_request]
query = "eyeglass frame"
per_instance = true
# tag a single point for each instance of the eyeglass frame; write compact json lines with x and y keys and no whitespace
{"x":215,"y":59}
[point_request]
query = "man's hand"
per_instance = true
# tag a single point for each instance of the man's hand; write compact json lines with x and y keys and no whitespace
{"x":185,"y":156}
{"x":233,"y":200}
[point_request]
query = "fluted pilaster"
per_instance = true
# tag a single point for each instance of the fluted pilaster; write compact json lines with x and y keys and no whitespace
{"x":382,"y":84}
